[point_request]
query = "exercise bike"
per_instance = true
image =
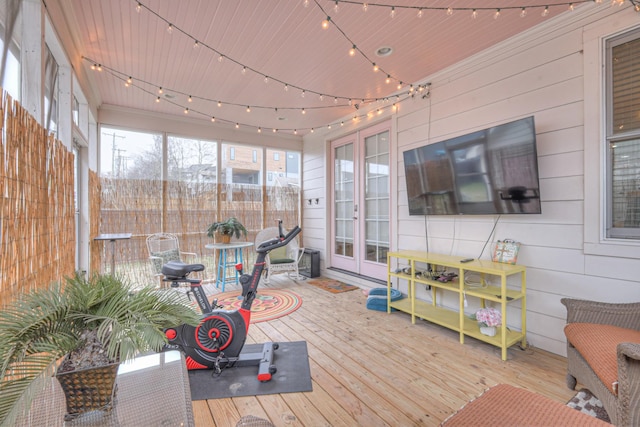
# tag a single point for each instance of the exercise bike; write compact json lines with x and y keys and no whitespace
{"x":217,"y":342}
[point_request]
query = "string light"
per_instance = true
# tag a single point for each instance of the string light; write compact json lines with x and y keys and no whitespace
{"x":523,"y":13}
{"x":393,"y":12}
{"x":545,"y":12}
{"x":336,"y":8}
{"x":352,"y":51}
{"x":195,"y":44}
{"x":190,"y":99}
{"x":325,"y":23}
{"x":420,"y":13}
{"x":365,"y":7}
{"x":449,"y":11}
{"x":474,"y":14}
{"x":170,"y":29}
{"x":497,"y":14}
{"x":186,"y":111}
{"x":138,"y":7}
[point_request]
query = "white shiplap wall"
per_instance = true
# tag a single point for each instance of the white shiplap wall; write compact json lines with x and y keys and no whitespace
{"x":539,"y":73}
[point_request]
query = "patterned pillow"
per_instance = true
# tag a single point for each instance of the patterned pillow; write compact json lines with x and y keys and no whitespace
{"x":163,"y":258}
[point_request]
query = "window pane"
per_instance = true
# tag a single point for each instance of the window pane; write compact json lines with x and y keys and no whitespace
{"x":625,"y":177}
{"x":625,"y":74}
{"x":284,"y":166}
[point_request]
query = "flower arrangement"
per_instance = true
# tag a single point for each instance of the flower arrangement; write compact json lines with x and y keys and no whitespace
{"x":489,"y":317}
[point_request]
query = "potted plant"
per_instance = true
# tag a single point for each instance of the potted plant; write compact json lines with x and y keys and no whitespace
{"x":227,"y":228}
{"x":488,"y":319}
{"x":80,"y":326}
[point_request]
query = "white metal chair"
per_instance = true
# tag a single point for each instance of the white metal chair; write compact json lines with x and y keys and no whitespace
{"x":281,"y":260}
{"x":164,"y":247}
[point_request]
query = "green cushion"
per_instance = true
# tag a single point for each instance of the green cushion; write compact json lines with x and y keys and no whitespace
{"x":163,"y":258}
{"x":279,"y":256}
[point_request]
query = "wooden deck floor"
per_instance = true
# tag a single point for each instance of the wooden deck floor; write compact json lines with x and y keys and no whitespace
{"x":371,"y":368}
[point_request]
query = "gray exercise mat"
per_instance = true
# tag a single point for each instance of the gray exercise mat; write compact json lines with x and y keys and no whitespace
{"x":293,"y":375}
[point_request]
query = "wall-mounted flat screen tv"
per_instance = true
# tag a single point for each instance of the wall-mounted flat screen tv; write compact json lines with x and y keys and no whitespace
{"x":492,"y":171}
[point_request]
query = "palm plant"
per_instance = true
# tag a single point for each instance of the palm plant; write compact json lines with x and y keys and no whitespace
{"x":82,"y":319}
{"x":231,"y":226}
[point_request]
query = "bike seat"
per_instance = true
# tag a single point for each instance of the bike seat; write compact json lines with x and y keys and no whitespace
{"x":175,"y":270}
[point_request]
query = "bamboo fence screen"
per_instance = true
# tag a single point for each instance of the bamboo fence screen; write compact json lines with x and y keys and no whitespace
{"x":145,"y":207}
{"x":37,"y":210}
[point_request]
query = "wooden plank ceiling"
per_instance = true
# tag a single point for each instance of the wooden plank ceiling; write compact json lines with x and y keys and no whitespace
{"x":282,"y":42}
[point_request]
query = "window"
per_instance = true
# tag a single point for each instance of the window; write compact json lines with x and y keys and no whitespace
{"x":232,"y":153}
{"x":276,"y":156}
{"x":255,"y":156}
{"x":623,"y":136}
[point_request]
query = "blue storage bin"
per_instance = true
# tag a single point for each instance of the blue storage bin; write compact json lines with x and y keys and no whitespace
{"x":377,"y":299}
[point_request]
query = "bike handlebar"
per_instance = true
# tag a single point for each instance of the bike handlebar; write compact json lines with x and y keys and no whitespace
{"x":278,"y":242}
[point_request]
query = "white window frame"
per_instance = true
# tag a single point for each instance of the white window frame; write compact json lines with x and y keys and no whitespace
{"x":595,"y":37}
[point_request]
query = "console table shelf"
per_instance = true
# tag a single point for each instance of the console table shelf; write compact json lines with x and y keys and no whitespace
{"x":454,"y":319}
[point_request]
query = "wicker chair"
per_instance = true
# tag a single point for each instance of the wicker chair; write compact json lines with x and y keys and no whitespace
{"x":615,"y":322}
{"x":164,"y":247}
{"x":281,"y":260}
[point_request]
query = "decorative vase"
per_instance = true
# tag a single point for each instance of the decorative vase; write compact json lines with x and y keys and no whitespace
{"x":88,"y":389}
{"x":488,"y":330}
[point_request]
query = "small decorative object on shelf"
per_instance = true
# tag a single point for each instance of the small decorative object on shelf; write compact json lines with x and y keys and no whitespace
{"x":488,"y":319}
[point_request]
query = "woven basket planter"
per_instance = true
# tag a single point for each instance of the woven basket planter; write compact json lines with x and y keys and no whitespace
{"x":88,"y":389}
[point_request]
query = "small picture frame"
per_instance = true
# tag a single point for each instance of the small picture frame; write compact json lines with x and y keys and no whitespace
{"x":506,"y":251}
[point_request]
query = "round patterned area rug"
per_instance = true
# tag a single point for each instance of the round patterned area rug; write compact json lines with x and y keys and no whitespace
{"x":269,"y":304}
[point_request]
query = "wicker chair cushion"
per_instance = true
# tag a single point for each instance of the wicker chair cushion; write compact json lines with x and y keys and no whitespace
{"x":506,"y":406}
{"x":279,"y":256}
{"x":163,"y":258}
{"x":598,"y":346}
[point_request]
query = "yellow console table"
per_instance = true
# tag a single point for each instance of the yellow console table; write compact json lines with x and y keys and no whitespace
{"x":403,"y":266}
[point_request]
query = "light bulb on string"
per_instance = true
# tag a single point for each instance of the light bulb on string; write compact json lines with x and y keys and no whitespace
{"x":248,"y":109}
{"x":244,"y":70}
{"x":138,"y":7}
{"x":266,"y":79}
{"x":160,"y":90}
{"x":388,"y":79}
{"x":304,"y":111}
{"x":129,"y":80}
{"x":523,"y":13}
{"x":157,"y":99}
{"x":545,"y":12}
{"x":321,"y":97}
{"x":420,"y":13}
{"x":305,"y":3}
{"x":302,"y":94}
{"x":375,"y":67}
{"x":219,"y":104}
{"x":94,"y":66}
{"x":352,"y":51}
{"x":186,"y":111}
{"x":365,"y":7}
{"x":474,"y":14}
{"x":170,"y":29}
{"x":497,"y":14}
{"x":295,"y":131}
{"x":259,"y":130}
{"x":190,"y":99}
{"x":393,"y":12}
{"x":237,"y":126}
{"x":99,"y":67}
{"x":195,"y":44}
{"x":336,"y":8}
{"x":335,"y":101}
{"x":449,"y":11}
{"x":286,"y":87}
{"x":399,"y":85}
{"x":571,"y":7}
{"x":325,"y":23}
{"x":220,"y":58}
{"x":274,"y":130}
{"x":213,"y":119}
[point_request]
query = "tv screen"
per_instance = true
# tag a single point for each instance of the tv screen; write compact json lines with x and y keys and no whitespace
{"x":492,"y":171}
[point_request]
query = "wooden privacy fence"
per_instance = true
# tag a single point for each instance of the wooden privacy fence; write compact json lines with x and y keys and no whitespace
{"x":37,"y":232}
{"x":144,"y":207}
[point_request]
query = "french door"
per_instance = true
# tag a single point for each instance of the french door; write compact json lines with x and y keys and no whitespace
{"x":360,"y":206}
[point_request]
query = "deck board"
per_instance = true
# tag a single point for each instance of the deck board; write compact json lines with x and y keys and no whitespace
{"x":377,"y":369}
